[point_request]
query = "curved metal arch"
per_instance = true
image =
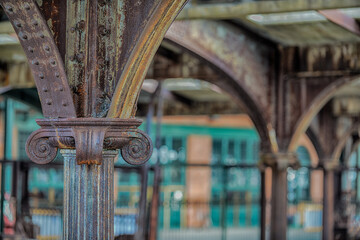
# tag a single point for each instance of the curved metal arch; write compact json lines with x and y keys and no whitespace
{"x":342,"y":142}
{"x":317,"y":104}
{"x":315,"y":142}
{"x":128,"y":87}
{"x":182,"y":35}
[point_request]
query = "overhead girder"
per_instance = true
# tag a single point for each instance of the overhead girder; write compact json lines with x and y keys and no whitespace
{"x":215,"y":42}
{"x":241,"y":10}
{"x":282,"y":88}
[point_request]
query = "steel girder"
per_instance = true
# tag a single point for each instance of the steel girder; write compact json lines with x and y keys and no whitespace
{"x":282,"y":89}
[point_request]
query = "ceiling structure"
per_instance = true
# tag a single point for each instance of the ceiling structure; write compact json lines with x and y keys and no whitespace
{"x":310,"y":27}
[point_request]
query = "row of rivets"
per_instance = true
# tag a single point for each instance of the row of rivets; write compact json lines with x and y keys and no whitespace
{"x":10,"y":8}
{"x":24,"y":36}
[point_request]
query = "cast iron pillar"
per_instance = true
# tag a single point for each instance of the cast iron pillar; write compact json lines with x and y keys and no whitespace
{"x":86,"y":210}
{"x":328,"y":202}
{"x":279,"y":162}
{"x":264,"y":215}
{"x":89,"y":59}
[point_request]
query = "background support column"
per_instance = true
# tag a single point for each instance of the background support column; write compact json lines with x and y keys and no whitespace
{"x":263,"y":206}
{"x":279,"y":204}
{"x":279,"y":162}
{"x":88,"y":198}
{"x":328,"y":207}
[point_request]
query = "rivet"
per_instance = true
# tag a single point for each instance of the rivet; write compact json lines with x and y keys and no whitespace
{"x":48,"y":101}
{"x":17,"y":24}
{"x":41,"y":75}
{"x":101,"y":61}
{"x":61,"y":89}
{"x":64,"y":104}
{"x":9,"y":8}
{"x":72,"y":30}
{"x":31,"y":49}
{"x":35,"y":23}
{"x":80,"y":56}
{"x":80,"y":25}
{"x":41,"y":35}
{"x":103,"y":31}
{"x":45,"y":89}
{"x":23,"y":36}
{"x":102,"y":3}
{"x":57,"y":74}
{"x":35,"y":62}
{"x":47,"y":48}
{"x":27,"y":6}
{"x":53,"y":62}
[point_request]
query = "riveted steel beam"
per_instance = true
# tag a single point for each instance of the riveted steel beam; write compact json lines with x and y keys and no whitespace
{"x":44,"y":59}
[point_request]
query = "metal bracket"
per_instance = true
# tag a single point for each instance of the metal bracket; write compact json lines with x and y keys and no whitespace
{"x":44,"y":57}
{"x":90,"y":136}
{"x":280,"y":161}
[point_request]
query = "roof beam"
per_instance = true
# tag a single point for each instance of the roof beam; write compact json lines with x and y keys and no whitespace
{"x":240,"y":10}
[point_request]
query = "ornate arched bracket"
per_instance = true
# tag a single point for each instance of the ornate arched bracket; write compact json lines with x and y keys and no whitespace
{"x":90,"y":136}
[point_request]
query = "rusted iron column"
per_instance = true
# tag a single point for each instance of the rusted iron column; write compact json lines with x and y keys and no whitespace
{"x":279,"y":162}
{"x":91,"y":211}
{"x":328,"y":203}
{"x":89,"y":59}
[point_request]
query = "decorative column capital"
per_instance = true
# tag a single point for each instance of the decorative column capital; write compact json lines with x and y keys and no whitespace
{"x":90,"y":136}
{"x":280,"y":161}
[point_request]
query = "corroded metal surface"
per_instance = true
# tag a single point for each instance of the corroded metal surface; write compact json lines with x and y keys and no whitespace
{"x":88,"y":198}
{"x":126,"y":92}
{"x":44,"y":58}
{"x":110,"y":46}
{"x":90,"y":137}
